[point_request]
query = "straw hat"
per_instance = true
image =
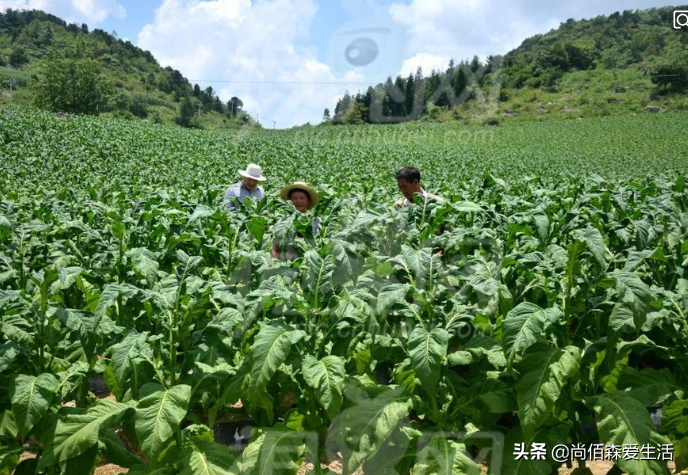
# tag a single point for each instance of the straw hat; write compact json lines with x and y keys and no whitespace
{"x":302,"y":186}
{"x":253,"y":171}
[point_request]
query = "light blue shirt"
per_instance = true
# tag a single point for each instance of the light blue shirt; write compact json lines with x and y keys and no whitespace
{"x":240,"y":192}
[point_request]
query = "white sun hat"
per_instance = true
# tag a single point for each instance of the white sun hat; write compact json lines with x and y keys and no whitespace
{"x":252,"y":171}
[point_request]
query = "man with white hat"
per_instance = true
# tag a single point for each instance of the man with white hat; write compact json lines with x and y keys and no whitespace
{"x":247,"y":187}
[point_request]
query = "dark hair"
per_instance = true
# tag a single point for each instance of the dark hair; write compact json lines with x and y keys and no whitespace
{"x":291,"y":192}
{"x":409,"y":174}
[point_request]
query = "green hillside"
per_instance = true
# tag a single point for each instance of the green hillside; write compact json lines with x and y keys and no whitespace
{"x":629,"y":62}
{"x":127,"y":81}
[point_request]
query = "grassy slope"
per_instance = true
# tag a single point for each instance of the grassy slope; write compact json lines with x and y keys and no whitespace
{"x":132,"y":74}
{"x":594,"y":93}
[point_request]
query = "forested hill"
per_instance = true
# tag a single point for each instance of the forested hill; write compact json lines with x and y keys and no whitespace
{"x":629,"y":62}
{"x":37,"y":49}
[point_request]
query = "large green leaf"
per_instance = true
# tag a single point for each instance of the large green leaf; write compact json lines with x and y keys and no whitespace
{"x":365,"y":428}
{"x":630,"y":313}
{"x":125,"y":355}
{"x":525,"y":325}
{"x":420,"y":263}
{"x":111,"y":293}
{"x":318,"y":275}
{"x":675,"y":423}
{"x":159,"y":414}
{"x":270,"y":349}
{"x":593,"y":240}
{"x":427,"y":350}
{"x":145,"y":262}
{"x":31,"y":399}
{"x":281,"y":451}
{"x":390,"y":295}
{"x":326,"y":376}
{"x":545,"y":372}
{"x":203,"y":457}
{"x":77,"y":433}
{"x":444,"y":457}
{"x":625,"y":420}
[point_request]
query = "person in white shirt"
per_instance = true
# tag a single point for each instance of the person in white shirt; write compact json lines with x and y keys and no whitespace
{"x":247,"y":187}
{"x":408,"y":180}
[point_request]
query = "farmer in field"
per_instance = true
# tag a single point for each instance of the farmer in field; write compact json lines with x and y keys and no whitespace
{"x":408,"y":180}
{"x":304,"y":197}
{"x":247,"y":187}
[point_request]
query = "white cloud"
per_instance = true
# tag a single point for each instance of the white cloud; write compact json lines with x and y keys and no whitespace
{"x":243,"y":41}
{"x":428,"y":62}
{"x":463,"y":28}
{"x":91,"y":12}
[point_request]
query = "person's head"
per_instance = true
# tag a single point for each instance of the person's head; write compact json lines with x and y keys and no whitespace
{"x":249,"y":183}
{"x":301,"y":194}
{"x":300,"y":199}
{"x":251,"y":176}
{"x":408,"y":180}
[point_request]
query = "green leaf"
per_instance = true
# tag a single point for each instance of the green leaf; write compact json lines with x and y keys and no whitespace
{"x":5,"y":223}
{"x":115,"y":452}
{"x":525,"y":325}
{"x":159,"y":414}
{"x":444,"y":457}
{"x":77,"y":433}
{"x":364,"y":429}
{"x":281,"y":451}
{"x":593,"y":240}
{"x":68,"y":276}
{"x":270,"y":349}
{"x":203,"y":457}
{"x":674,"y":420}
{"x":318,"y":276}
{"x":84,"y":463}
{"x":427,"y":351}
{"x":145,"y":262}
{"x":630,"y":313}
{"x":8,"y":426}
{"x":420,"y":263}
{"x":390,"y":295}
{"x":326,"y":376}
{"x":257,"y":226}
{"x":110,"y":294}
{"x":31,"y":399}
{"x":200,"y":212}
{"x":545,"y":371}
{"x":9,"y":351}
{"x":187,"y":263}
{"x":649,"y":386}
{"x":541,"y":222}
{"x":345,"y":260}
{"x":625,"y":420}
{"x":125,"y":354}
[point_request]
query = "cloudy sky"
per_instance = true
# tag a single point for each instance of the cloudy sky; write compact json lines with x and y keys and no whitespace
{"x":290,"y":59}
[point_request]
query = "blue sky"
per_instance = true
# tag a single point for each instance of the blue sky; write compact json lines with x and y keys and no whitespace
{"x":290,"y":59}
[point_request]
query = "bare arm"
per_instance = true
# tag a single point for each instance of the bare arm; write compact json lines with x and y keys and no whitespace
{"x":275,"y":251}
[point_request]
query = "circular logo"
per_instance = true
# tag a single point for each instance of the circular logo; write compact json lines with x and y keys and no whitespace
{"x":361,"y":52}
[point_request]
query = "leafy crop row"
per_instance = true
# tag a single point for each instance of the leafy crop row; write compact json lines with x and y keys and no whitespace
{"x":556,"y":312}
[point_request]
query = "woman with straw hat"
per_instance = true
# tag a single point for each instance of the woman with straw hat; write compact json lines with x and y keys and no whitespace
{"x":304,"y":197}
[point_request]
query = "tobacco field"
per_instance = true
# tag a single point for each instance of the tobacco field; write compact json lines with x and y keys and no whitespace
{"x":142,"y":324}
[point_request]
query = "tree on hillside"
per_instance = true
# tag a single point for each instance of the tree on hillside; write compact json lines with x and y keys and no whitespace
{"x":18,"y":57}
{"x":71,"y":81}
{"x":326,"y":115}
{"x":187,"y":117}
{"x":234,"y":105}
{"x":670,"y":71}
